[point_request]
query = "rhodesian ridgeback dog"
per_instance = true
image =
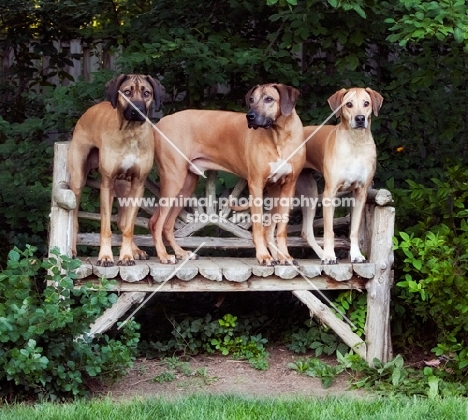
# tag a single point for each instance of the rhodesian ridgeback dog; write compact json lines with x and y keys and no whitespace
{"x":115,"y":138}
{"x":260,"y":149}
{"x":346,"y":156}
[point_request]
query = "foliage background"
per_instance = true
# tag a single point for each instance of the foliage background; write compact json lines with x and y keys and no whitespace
{"x":413,"y":52}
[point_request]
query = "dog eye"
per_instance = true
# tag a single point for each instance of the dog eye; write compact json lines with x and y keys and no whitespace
{"x":146,"y":94}
{"x":127,"y":92}
{"x":366,"y":103}
{"x":268,"y":99}
{"x":349,"y":104}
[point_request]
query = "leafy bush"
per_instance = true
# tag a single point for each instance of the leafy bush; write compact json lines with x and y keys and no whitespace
{"x":45,"y":348}
{"x":26,"y":194}
{"x":391,"y":378}
{"x":433,"y":291}
{"x":316,"y":337}
{"x":227,"y":335}
{"x":323,"y":340}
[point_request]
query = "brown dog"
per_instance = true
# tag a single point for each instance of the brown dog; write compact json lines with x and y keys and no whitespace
{"x":115,"y":138}
{"x":221,"y":140}
{"x":346,"y":156}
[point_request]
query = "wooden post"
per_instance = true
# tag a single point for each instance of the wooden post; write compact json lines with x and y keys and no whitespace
{"x":63,"y":200}
{"x":326,"y":315}
{"x":112,"y":315}
{"x":378,"y":289}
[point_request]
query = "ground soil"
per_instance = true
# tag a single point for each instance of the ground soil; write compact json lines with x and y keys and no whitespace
{"x":216,"y":374}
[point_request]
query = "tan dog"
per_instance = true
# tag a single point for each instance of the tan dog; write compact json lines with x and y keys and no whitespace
{"x":221,"y":140}
{"x":115,"y":138}
{"x":346,"y":156}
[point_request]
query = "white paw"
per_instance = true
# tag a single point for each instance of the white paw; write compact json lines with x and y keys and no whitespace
{"x":358,"y":259}
{"x":328,"y":259}
{"x":356,"y":255}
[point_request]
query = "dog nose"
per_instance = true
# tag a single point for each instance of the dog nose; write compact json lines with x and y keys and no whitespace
{"x":135,"y":112}
{"x":140,"y":108}
{"x":360,"y":119}
{"x":251,"y":116}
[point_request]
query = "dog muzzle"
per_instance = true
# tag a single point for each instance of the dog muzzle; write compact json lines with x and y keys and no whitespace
{"x":258,"y":121}
{"x":360,"y":121}
{"x":132,"y":114}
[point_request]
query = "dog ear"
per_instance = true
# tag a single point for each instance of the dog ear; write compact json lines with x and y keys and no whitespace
{"x":377,"y":100}
{"x":112,"y":89}
{"x":335,"y":101}
{"x":249,"y":94}
{"x":158,"y":91}
{"x":288,"y":98}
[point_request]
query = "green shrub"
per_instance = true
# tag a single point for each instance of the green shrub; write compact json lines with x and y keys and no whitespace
{"x":433,"y":291}
{"x":323,"y":340}
{"x":45,"y":350}
{"x":227,"y":336}
{"x":391,"y":378}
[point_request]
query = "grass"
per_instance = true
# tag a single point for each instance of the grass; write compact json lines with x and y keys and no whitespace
{"x":233,"y":407}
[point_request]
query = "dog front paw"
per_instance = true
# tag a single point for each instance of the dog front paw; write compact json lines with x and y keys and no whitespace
{"x":287,"y":260}
{"x":267,"y":261}
{"x":105,"y":262}
{"x":187,"y":255}
{"x":139,"y":254}
{"x":126,"y":261}
{"x":329,"y":261}
{"x":170,"y":259}
{"x":358,"y":260}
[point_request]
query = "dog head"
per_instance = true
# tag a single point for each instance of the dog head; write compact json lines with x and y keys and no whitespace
{"x":140,"y":91}
{"x":266,"y":103}
{"x":356,"y":105}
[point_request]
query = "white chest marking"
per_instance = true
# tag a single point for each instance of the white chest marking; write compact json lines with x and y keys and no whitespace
{"x":279,"y":169}
{"x":354,"y":177}
{"x":129,"y":161}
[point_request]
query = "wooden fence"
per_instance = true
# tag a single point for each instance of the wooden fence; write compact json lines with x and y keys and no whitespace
{"x":86,"y":59}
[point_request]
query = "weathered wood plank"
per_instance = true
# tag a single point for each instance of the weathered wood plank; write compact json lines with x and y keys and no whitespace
{"x":210,"y":270}
{"x":326,"y":315}
{"x":364,"y":270}
{"x":106,"y":272}
{"x":378,"y":289}
{"x":213,"y":220}
{"x":253,"y":284}
{"x":286,"y":272}
{"x":160,"y":272}
{"x":210,"y":192}
{"x":381,"y":197}
{"x":84,"y":270}
{"x":339,"y":272}
{"x":112,"y":315}
{"x":187,"y":270}
{"x":365,"y":233}
{"x":92,"y":239}
{"x":139,"y":221}
{"x":235,"y":193}
{"x":310,"y":268}
{"x":64,"y":196}
{"x":133,"y":273}
{"x":318,"y":223}
{"x":234,"y":270}
{"x":257,"y":269}
{"x":61,"y":219}
{"x":214,"y":268}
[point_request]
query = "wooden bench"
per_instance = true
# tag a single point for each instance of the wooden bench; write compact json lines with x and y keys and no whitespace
{"x":226,"y":273}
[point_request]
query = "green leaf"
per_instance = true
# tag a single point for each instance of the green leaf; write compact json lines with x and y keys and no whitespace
{"x":433,"y":391}
{"x":417,"y":264}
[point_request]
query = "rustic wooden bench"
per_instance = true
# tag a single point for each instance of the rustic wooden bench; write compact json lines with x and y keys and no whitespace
{"x":232,"y":274}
